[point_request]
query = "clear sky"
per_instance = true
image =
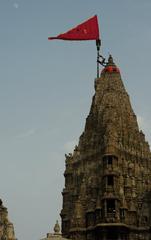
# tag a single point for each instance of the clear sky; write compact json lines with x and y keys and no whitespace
{"x":46,"y":90}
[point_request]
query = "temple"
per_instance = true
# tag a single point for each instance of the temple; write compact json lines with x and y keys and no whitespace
{"x":56,"y":235}
{"x":6,"y":227}
{"x":107,"y":192}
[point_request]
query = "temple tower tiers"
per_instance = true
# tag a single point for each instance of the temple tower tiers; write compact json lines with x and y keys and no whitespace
{"x":6,"y":227}
{"x":107,"y":192}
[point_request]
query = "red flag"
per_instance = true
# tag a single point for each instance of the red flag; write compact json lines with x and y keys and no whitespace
{"x":88,"y":30}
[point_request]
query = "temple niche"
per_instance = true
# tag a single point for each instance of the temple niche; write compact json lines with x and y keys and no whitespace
{"x":107,"y":192}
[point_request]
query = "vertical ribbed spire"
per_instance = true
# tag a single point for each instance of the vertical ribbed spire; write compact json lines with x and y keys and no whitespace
{"x":114,"y":163}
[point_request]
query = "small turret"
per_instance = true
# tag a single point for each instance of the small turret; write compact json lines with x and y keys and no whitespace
{"x":56,"y":228}
{"x":56,"y":235}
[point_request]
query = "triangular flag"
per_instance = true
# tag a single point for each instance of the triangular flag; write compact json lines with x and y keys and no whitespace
{"x":88,"y":30}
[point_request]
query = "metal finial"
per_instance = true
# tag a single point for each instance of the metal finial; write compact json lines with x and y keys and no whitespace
{"x":110,"y":59}
{"x":56,"y":228}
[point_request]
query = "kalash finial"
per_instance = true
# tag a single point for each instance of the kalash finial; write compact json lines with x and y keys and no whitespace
{"x":110,"y":61}
{"x":110,"y":66}
{"x":56,"y":228}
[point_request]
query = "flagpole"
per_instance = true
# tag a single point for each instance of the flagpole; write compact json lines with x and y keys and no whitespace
{"x":98,"y":44}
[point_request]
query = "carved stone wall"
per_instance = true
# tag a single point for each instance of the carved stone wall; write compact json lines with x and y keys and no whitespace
{"x":107,"y":192}
{"x":6,"y":227}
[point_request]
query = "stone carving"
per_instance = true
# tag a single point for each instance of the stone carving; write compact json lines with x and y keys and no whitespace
{"x":6,"y":227}
{"x":107,"y":179}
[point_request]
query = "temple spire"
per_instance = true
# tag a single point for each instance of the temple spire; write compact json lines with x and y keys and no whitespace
{"x":108,"y":180}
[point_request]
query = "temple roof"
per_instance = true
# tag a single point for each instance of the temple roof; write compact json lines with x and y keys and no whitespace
{"x":111,"y":119}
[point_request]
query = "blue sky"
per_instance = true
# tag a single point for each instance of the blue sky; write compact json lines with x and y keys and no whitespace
{"x":46,"y":90}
